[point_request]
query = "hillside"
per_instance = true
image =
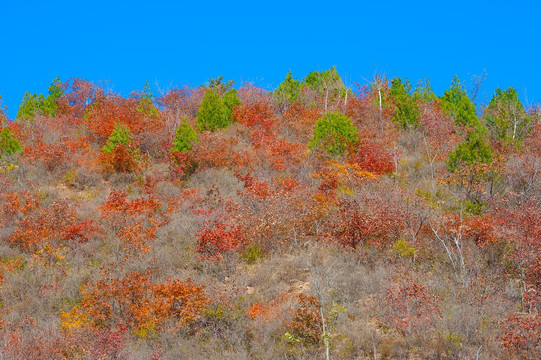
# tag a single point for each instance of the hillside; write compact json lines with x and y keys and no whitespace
{"x":314,"y":221}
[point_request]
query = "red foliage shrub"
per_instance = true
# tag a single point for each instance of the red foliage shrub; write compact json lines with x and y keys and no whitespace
{"x":17,"y":205}
{"x":217,"y":238}
{"x":373,"y":156}
{"x":413,"y":308}
{"x":521,"y":225}
{"x":106,"y":111}
{"x":181,"y":165}
{"x":134,"y":222}
{"x":372,"y":221}
{"x":522,"y":335}
{"x":215,"y":149}
{"x":302,"y":121}
{"x":57,"y":222}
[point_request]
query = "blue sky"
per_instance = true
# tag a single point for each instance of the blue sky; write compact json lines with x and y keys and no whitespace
{"x":185,"y":43}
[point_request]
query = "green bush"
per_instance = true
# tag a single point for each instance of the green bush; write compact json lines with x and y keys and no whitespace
{"x":185,"y":136}
{"x":403,"y":249}
{"x":323,"y":81}
{"x":335,"y":133}
{"x":252,"y":253}
{"x":212,"y":113}
{"x":407,"y":110}
{"x":8,"y":144}
{"x":146,"y":102}
{"x":120,"y":153}
{"x":288,"y":91}
{"x":473,"y":150}
{"x":33,"y":105}
{"x":231,"y":99}
{"x":505,"y":117}
{"x":458,"y":104}
{"x":120,"y":135}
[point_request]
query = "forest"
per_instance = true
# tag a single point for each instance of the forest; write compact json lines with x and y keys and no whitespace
{"x":311,"y":221}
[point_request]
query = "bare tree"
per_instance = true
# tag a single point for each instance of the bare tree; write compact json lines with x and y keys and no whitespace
{"x":476,"y":82}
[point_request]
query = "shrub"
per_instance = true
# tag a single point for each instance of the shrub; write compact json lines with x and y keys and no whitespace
{"x":120,"y":135}
{"x":33,"y":105}
{"x":119,"y":153}
{"x":473,"y":150}
{"x":335,"y":133}
{"x":373,"y":156}
{"x":231,"y":99}
{"x":407,"y":111}
{"x":288,"y":91}
{"x":184,"y":137}
{"x":212,"y":113}
{"x":217,"y":238}
{"x":8,"y":144}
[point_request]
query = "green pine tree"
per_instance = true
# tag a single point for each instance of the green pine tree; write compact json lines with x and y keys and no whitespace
{"x":326,"y":81}
{"x":424,"y":92}
{"x":505,"y":117}
{"x":458,"y":104}
{"x":407,"y":110}
{"x":475,"y":149}
{"x":231,"y":99}
{"x":288,"y":91}
{"x":29,"y":107}
{"x":121,"y":135}
{"x":336,"y":133}
{"x":146,"y":102}
{"x":212,"y":112}
{"x":33,"y":105}
{"x":219,"y":85}
{"x":185,"y":136}
{"x":49,"y":106}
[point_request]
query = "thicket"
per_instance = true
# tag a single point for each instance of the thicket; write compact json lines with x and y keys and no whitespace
{"x":310,"y":222}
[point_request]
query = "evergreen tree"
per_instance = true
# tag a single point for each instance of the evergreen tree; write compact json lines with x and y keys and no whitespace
{"x":29,"y":107}
{"x":288,"y":91}
{"x":185,"y":136}
{"x":147,"y":92}
{"x":407,"y":111}
{"x":505,"y":117}
{"x":458,"y":104}
{"x":212,"y":112}
{"x":231,"y":99}
{"x":473,"y":150}
{"x":120,"y":153}
{"x":33,"y":105}
{"x":317,"y":80}
{"x":49,"y":105}
{"x":335,"y":133}
{"x":326,"y":83}
{"x":219,"y":85}
{"x":423,"y":91}
{"x":120,"y":135}
{"x":146,"y":102}
{"x":8,"y":144}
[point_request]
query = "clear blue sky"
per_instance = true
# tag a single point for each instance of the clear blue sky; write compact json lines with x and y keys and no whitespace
{"x":175,"y":43}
